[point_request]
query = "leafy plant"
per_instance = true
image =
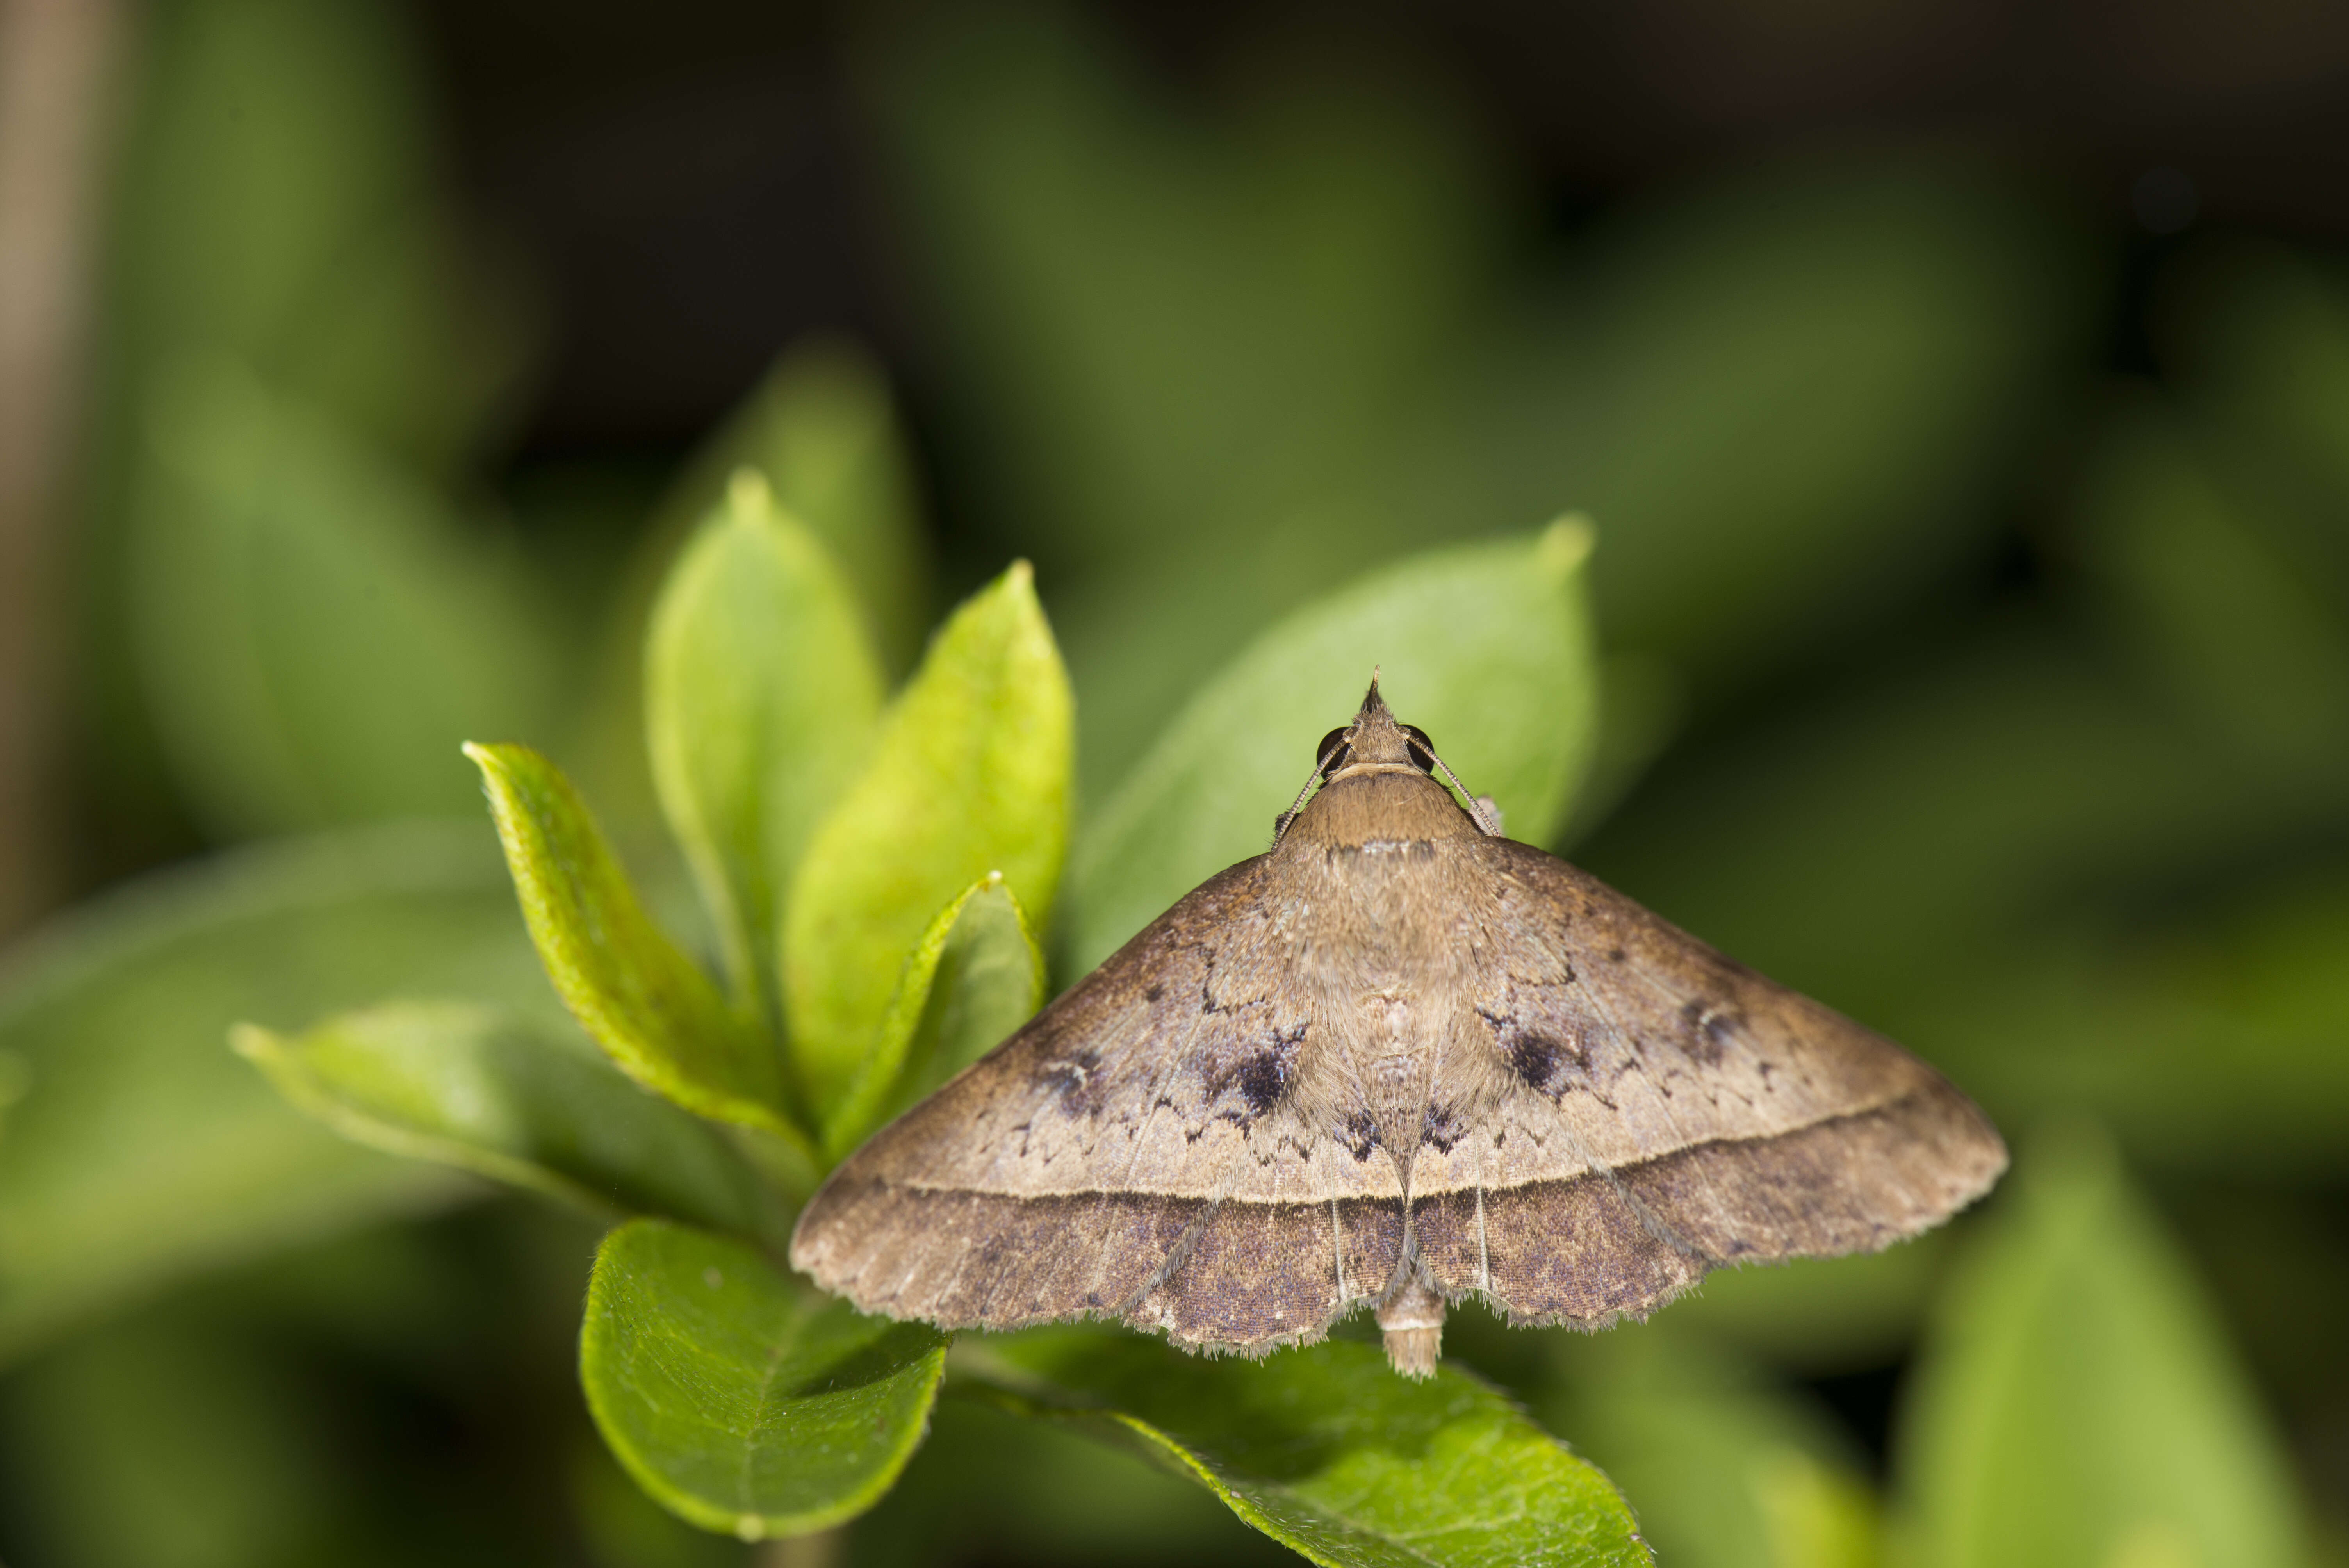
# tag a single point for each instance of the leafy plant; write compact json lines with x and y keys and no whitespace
{"x":880,"y":879}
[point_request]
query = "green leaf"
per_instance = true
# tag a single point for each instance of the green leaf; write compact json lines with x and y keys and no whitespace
{"x":761,"y":692}
{"x":646,"y":1003}
{"x":470,"y":1085}
{"x":975,"y":975}
{"x":1326,"y":1450}
{"x":140,"y":1151}
{"x":969,"y":776}
{"x":821,"y":430}
{"x":739,"y":1399}
{"x":2079,"y":1402}
{"x":315,"y":635}
{"x":1487,"y":648}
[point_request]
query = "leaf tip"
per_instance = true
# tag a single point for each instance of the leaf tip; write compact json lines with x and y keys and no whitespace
{"x":1566,"y":545}
{"x":1017,"y":588}
{"x":253,"y":1042}
{"x":747,"y":493}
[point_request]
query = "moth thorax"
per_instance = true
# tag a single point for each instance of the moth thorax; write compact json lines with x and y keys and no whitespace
{"x":1413,"y":1318}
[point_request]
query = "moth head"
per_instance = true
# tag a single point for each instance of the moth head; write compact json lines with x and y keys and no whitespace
{"x":1372,"y":738}
{"x":1375,"y":738}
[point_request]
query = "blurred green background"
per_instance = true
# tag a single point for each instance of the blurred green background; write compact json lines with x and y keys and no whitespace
{"x":1961,"y":397}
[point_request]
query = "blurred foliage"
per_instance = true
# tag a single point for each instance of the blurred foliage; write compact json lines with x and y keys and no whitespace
{"x":1202,"y":362}
{"x":142,"y":1151}
{"x":316,"y":634}
{"x":2076,"y":1402}
{"x":2004,"y":709}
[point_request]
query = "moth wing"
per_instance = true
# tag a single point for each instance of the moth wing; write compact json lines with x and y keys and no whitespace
{"x":1129,"y":1153}
{"x":1647,"y":1109}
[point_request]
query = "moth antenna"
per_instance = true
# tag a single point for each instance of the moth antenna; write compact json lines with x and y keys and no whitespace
{"x":1485,"y":823}
{"x":1281,"y":823}
{"x":1320,"y":767}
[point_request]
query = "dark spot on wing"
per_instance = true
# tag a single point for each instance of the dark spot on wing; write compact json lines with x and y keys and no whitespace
{"x":1615,"y":955}
{"x":1534,"y":1059}
{"x":1548,"y":1065}
{"x":1075,"y":1079}
{"x":1709,"y":1028}
{"x":1442,"y":1130}
{"x":1154,"y":993}
{"x":1362,"y":1134}
{"x":1265,"y":1076}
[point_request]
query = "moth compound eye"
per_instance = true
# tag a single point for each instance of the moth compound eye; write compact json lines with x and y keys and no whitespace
{"x":1421,"y":749}
{"x":1330,"y":755}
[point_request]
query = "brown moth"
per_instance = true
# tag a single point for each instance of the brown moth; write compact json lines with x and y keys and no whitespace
{"x":1398,"y":1059}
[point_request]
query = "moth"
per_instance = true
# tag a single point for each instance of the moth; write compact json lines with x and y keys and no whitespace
{"x":1397,"y":1060}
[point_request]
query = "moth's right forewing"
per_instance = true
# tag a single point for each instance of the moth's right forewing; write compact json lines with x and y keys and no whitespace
{"x":1129,"y":1153}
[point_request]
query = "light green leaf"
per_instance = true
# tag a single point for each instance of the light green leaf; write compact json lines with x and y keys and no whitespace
{"x":645,"y":1002}
{"x":314,"y":634}
{"x":739,"y":1399}
{"x":1326,"y":1450}
{"x":969,"y":776}
{"x":470,"y":1085}
{"x":1487,"y":647}
{"x":1814,"y":1514}
{"x":975,"y":975}
{"x":2079,"y":1402}
{"x":821,"y":430}
{"x":140,"y":1151}
{"x":761,"y":692}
